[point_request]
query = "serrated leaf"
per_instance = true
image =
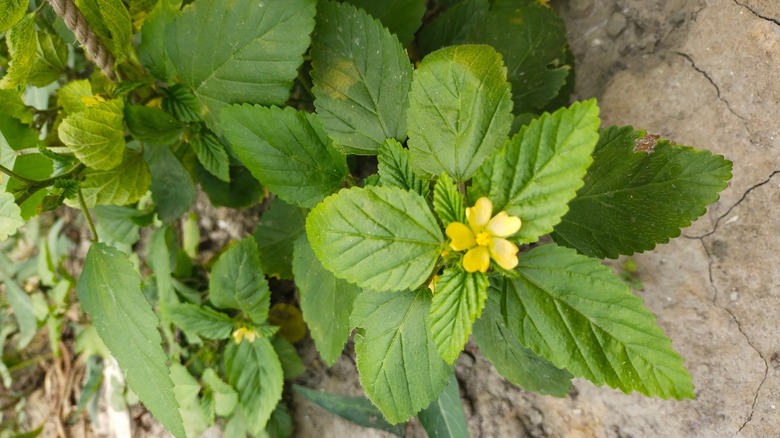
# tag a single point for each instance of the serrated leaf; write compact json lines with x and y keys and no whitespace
{"x":326,"y":302}
{"x":71,"y":96}
{"x":286,"y":150}
{"x":358,"y":410}
{"x":401,"y":17}
{"x":172,"y":187}
{"x":361,"y":76}
{"x":512,"y":360}
{"x":109,"y":291}
{"x":11,"y":12}
{"x":186,"y":389}
{"x":400,"y":370}
{"x":573,"y":311}
{"x":152,"y":125}
{"x":291,"y":362}
{"x":212,"y":155}
{"x":354,"y":231}
{"x":254,"y":370}
{"x":235,"y":51}
{"x":22,"y":44}
{"x":225,"y":397}
{"x":448,"y":202}
{"x":110,"y":20}
{"x":633,"y":200}
{"x":532,"y":38}
{"x":51,"y":59}
{"x":180,"y":102}
{"x":95,"y":134}
{"x":237,"y":281}
{"x":537,"y":173}
{"x":452,"y":26}
{"x":395,"y":169}
{"x":276,"y":233}
{"x":460,"y":110}
{"x":199,"y":320}
{"x":10,"y":216}
{"x":24,"y":314}
{"x":151,"y":49}
{"x":458,"y":301}
{"x":122,"y":185}
{"x":445,"y":418}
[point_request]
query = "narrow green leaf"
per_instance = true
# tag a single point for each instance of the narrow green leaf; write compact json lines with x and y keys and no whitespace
{"x":11,"y":12}
{"x":186,"y":389}
{"x":237,"y":281}
{"x":22,"y":307}
{"x":254,"y":370}
{"x":235,"y":51}
{"x":291,"y":362}
{"x":537,"y":173}
{"x":460,"y":110}
{"x":172,"y":187}
{"x":573,"y":311}
{"x":445,"y":418}
{"x":395,"y":169}
{"x":51,"y":59}
{"x":225,"y":397}
{"x":212,"y":155}
{"x":361,"y":77}
{"x":326,"y":302}
{"x":634,"y":199}
{"x":457,"y":303}
{"x":358,"y":410}
{"x":22,"y":44}
{"x":354,"y":231}
{"x":518,"y":364}
{"x":448,"y":202}
{"x":152,"y":125}
{"x":110,"y":19}
{"x":199,"y":320}
{"x":95,"y":134}
{"x":401,"y":17}
{"x":72,"y":95}
{"x":452,"y":26}
{"x":109,"y":291}
{"x":276,"y":233}
{"x":122,"y":185}
{"x":10,"y":216}
{"x":151,"y":49}
{"x":286,"y":150}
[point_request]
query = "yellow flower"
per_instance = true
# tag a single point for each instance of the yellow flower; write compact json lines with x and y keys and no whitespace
{"x":483,"y":237}
{"x":244,"y":332}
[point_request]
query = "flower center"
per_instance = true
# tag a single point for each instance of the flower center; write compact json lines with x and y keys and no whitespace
{"x":483,"y":238}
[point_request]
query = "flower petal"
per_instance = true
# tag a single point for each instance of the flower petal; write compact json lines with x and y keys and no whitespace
{"x":504,"y":253}
{"x":461,"y":235}
{"x":477,"y":259}
{"x":479,"y":214}
{"x":503,"y":225}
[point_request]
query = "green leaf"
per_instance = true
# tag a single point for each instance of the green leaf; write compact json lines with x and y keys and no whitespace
{"x":448,"y":202}
{"x":199,"y":320}
{"x":109,"y":291}
{"x":287,"y":151}
{"x":445,"y":418}
{"x":212,"y":155}
{"x":381,"y":238}
{"x":633,"y":200}
{"x":326,"y":302}
{"x":122,"y":185}
{"x":110,"y":20}
{"x":361,"y":77}
{"x":452,"y":26}
{"x":573,"y":311}
{"x":71,"y":97}
{"x":291,"y":362}
{"x":242,"y":191}
{"x":115,"y":224}
{"x":460,"y":110}
{"x":95,"y":134}
{"x":11,"y":12}
{"x":152,"y":125}
{"x":276,"y":233}
{"x":280,"y":425}
{"x":22,"y":44}
{"x":172,"y":187}
{"x":186,"y":389}
{"x":225,"y":397}
{"x":237,"y":281}
{"x":458,"y":301}
{"x":358,"y":410}
{"x":51,"y":60}
{"x":518,"y":364}
{"x":13,"y":105}
{"x":151,"y":49}
{"x":399,"y":367}
{"x":395,"y":170}
{"x":537,"y":173}
{"x":254,"y":370}
{"x":10,"y":216}
{"x":22,"y":307}
{"x":532,"y":38}
{"x":36,"y":167}
{"x":235,"y":51}
{"x":401,"y":17}
{"x":180,"y":102}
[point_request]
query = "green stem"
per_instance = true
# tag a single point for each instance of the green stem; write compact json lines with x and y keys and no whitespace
{"x":84,"y":208}
{"x":13,"y":174}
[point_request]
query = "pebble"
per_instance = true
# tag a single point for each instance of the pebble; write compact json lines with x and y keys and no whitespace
{"x":616,"y":25}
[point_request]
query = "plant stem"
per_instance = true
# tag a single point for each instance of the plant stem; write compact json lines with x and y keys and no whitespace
{"x":84,"y":208}
{"x":15,"y":175}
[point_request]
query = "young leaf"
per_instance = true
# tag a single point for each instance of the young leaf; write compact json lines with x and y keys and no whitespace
{"x":254,"y":370}
{"x":287,"y":151}
{"x":395,"y":170}
{"x":399,"y":367}
{"x":444,"y":418}
{"x":51,"y":59}
{"x":237,"y":281}
{"x":199,"y":320}
{"x":401,"y":17}
{"x":572,"y":310}
{"x":22,"y":307}
{"x":233,"y":51}
{"x":22,"y":45}
{"x":381,"y":238}
{"x":180,"y":102}
{"x":451,"y":26}
{"x":540,"y":169}
{"x":212,"y":154}
{"x":275,"y":234}
{"x":358,"y":410}
{"x":11,"y":11}
{"x":361,"y":77}
{"x":518,"y":364}
{"x":172,"y":188}
{"x":225,"y":397}
{"x":10,"y":216}
{"x":633,"y":200}
{"x":72,"y":95}
{"x":151,"y":49}
{"x":95,"y":135}
{"x":124,"y":184}
{"x":109,"y":291}
{"x":448,"y":202}
{"x":186,"y":389}
{"x":326,"y":302}
{"x":292,"y":365}
{"x":460,"y":110}
{"x":152,"y":125}
{"x":458,"y":301}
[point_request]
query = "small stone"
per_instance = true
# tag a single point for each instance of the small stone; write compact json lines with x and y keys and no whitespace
{"x":734,"y":296}
{"x":616,"y":25}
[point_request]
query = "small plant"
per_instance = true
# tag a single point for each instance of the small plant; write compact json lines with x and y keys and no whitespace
{"x":487,"y":214}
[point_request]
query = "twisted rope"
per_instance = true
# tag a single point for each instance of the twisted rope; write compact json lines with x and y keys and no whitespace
{"x":76,"y":22}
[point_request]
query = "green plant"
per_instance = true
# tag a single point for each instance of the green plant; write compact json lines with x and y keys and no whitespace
{"x":479,"y":157}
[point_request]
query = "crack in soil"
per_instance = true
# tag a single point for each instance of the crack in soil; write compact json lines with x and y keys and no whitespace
{"x":775,"y":21}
